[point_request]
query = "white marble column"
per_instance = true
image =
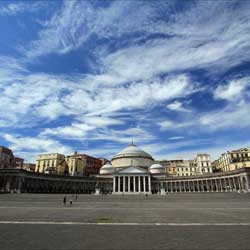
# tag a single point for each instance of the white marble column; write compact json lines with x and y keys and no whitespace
{"x":114,"y":184}
{"x":144,"y":184}
{"x":124,"y":186}
{"x":149,"y":184}
{"x":119,"y":184}
{"x":134,"y":183}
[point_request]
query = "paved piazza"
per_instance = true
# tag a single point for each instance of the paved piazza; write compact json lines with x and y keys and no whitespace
{"x":174,"y":221}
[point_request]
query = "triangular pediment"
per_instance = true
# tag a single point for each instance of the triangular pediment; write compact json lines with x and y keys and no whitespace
{"x":132,"y":170}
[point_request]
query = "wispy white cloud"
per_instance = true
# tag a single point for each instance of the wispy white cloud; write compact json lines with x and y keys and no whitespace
{"x":174,"y":125}
{"x":33,"y":97}
{"x":190,"y":37}
{"x":19,"y":7}
{"x":176,"y":138}
{"x":177,"y":106}
{"x":145,"y":70}
{"x":229,"y":117}
{"x":34,"y":145}
{"x":236,"y":89}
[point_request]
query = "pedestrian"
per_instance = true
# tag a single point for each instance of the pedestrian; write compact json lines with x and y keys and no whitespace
{"x":64,"y":200}
{"x":70,"y":201}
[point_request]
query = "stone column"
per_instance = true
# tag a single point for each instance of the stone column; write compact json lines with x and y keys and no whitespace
{"x":234,"y":184}
{"x":124,"y":185}
{"x":189,"y":188}
{"x":207,"y":186}
{"x":139,"y":183}
{"x":144,"y":184}
{"x":129,"y":184}
{"x":216,"y":185}
{"x":247,"y":187}
{"x":184,"y":184}
{"x":221,"y":187}
{"x":119,"y":184}
{"x":7,"y":184}
{"x":198,"y":185}
{"x":240,"y":184}
{"x":202,"y":186}
{"x":225,"y":183}
{"x":149,"y":184}
{"x":134,"y":184}
{"x":114,"y":181}
{"x":230,"y":183}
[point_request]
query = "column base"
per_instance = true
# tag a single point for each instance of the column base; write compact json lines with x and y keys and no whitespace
{"x":163,"y":192}
{"x":97,"y":191}
{"x":131,"y":193}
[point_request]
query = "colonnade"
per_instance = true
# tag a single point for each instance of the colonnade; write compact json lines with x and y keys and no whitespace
{"x":23,"y":181}
{"x":220,"y":184}
{"x":19,"y":184}
{"x":131,"y":184}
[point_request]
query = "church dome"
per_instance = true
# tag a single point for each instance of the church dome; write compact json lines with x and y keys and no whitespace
{"x":156,"y":166}
{"x":106,"y":169}
{"x":157,"y":169}
{"x":132,"y":156}
{"x":132,"y":150}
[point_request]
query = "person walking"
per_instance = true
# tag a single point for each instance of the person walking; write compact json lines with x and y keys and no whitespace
{"x":70,"y":201}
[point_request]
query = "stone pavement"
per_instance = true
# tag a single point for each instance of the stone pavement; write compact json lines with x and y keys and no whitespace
{"x":175,"y":221}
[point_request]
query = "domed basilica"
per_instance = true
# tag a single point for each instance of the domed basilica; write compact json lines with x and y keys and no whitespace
{"x":131,"y":171}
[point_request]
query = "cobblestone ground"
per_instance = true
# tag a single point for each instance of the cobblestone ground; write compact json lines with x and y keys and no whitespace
{"x":174,"y":221}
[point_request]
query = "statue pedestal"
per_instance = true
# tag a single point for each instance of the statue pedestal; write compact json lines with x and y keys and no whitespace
{"x":97,"y":191}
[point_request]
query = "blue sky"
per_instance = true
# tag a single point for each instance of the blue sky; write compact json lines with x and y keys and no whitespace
{"x":89,"y":76}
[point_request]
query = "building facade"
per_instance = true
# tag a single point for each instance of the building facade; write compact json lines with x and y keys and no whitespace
{"x":93,"y":165}
{"x":7,"y":159}
{"x":233,"y":160}
{"x":49,"y":163}
{"x":76,"y":164}
{"x":135,"y":172}
{"x":19,"y":162}
{"x":201,"y":164}
{"x":29,"y":166}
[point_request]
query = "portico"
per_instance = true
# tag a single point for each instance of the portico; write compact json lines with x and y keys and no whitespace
{"x":131,"y":180}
